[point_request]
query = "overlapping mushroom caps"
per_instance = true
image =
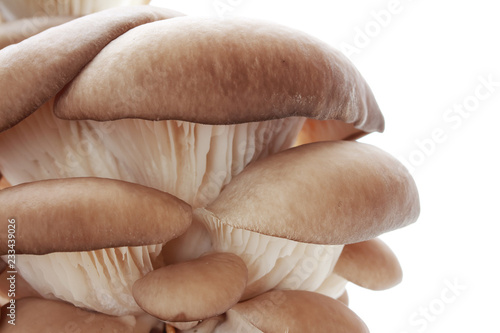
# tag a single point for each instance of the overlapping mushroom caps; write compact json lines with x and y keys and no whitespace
{"x":153,"y":175}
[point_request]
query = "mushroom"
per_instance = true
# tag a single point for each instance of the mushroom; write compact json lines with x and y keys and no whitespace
{"x":351,"y":192}
{"x":33,"y":315}
{"x":223,"y":105}
{"x":370,"y":264}
{"x":61,"y":215}
{"x":60,"y":56}
{"x":292,"y":311}
{"x":155,"y":154}
{"x":193,"y":290}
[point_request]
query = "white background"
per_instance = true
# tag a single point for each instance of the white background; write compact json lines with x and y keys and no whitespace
{"x":422,"y":64}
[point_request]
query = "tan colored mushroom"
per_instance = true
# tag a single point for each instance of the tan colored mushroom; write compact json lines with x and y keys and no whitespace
{"x":321,"y":193}
{"x":292,"y":311}
{"x":47,"y":148}
{"x":289,"y":224}
{"x":194,"y":290}
{"x":62,"y":215}
{"x":231,"y":71}
{"x":34,"y":315}
{"x":268,"y":75}
{"x":370,"y":264}
{"x":60,"y":56}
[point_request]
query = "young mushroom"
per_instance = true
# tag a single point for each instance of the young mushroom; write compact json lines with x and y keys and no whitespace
{"x":193,"y":290}
{"x":370,"y":264}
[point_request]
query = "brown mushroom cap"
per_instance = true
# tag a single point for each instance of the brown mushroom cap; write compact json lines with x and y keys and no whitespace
{"x":192,"y":290}
{"x":35,"y":315}
{"x":16,"y":31}
{"x":230,"y":71}
{"x":295,"y":311}
{"x":61,"y":53}
{"x":63,"y":215}
{"x":370,"y":264}
{"x":323,"y":193}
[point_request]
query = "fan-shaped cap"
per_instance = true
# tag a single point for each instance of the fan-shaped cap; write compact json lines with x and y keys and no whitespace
{"x":61,"y":53}
{"x":230,"y":71}
{"x":193,"y":290}
{"x":83,"y":214}
{"x":370,"y":264}
{"x":294,"y":311}
{"x":324,"y":193}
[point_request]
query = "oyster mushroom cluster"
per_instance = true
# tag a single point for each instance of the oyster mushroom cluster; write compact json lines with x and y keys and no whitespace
{"x":190,"y":171}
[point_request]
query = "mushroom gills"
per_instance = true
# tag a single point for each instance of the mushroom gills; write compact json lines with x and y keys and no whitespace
{"x":191,"y":161}
{"x":98,"y":280}
{"x":273,"y":262}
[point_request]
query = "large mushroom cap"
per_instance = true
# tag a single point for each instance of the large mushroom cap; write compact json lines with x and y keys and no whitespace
{"x":294,"y":312}
{"x":230,"y":71}
{"x":324,"y":193}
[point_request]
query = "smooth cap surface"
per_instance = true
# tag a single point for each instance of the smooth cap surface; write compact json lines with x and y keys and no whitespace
{"x":230,"y":71}
{"x":324,"y":193}
{"x":193,"y":290}
{"x":298,"y":311}
{"x":84,"y":214}
{"x":370,"y":264}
